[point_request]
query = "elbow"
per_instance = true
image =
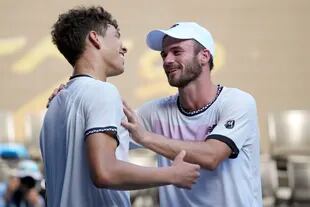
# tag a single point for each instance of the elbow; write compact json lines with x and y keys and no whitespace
{"x":103,"y":179}
{"x":211,"y":163}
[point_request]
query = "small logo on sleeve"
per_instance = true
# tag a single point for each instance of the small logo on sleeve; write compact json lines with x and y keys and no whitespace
{"x":230,"y":124}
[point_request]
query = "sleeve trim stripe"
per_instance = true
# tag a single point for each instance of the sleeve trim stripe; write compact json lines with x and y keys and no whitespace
{"x":110,"y":129}
{"x":231,"y":144}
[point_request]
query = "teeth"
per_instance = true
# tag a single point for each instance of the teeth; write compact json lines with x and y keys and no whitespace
{"x":171,"y":71}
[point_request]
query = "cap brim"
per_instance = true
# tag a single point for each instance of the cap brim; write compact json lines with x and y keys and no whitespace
{"x":155,"y":38}
{"x":20,"y":174}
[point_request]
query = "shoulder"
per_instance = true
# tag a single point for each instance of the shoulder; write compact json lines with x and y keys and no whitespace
{"x":95,"y":94}
{"x":103,"y":86}
{"x":162,"y":102}
{"x":236,"y":96}
{"x":234,"y":100}
{"x":158,"y":104}
{"x":96,"y":88}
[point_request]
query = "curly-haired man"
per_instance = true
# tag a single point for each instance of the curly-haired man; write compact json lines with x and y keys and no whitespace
{"x":83,"y":158}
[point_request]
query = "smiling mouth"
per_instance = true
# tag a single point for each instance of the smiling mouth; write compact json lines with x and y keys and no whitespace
{"x":169,"y":72}
{"x":172,"y":69}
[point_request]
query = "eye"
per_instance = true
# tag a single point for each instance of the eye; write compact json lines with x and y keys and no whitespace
{"x":177,"y":52}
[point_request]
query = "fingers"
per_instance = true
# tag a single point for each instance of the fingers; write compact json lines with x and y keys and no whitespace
{"x":51,"y":97}
{"x":131,"y":124}
{"x":127,"y":113}
{"x":125,"y":104}
{"x":62,"y":86}
{"x":191,"y":180}
{"x":197,"y":173}
{"x":130,"y":114}
{"x":192,"y":175}
{"x":126,"y":125}
{"x":55,"y":92}
{"x":196,"y":167}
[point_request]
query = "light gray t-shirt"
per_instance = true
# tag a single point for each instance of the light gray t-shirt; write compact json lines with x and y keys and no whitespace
{"x":84,"y":107}
{"x":230,"y":118}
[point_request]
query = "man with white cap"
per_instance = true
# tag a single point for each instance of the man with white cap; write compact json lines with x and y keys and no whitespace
{"x":22,"y":186}
{"x":216,"y":125}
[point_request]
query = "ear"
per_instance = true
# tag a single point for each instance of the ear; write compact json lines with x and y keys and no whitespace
{"x":205,"y":56}
{"x":93,"y":37}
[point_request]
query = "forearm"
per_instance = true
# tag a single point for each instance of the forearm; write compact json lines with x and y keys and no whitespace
{"x":127,"y":176}
{"x":196,"y":152}
{"x":108,"y":172}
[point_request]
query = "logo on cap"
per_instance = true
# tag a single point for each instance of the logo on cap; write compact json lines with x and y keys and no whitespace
{"x":174,"y":26}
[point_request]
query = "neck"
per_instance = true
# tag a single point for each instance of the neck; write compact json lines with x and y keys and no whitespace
{"x":197,"y":94}
{"x":91,"y":67}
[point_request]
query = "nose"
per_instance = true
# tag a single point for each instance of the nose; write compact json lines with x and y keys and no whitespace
{"x":168,"y":59}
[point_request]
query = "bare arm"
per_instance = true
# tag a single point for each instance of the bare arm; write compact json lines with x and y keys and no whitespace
{"x":208,"y":154}
{"x":108,"y":172}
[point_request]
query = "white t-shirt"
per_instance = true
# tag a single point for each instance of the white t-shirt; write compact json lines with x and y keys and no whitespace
{"x":230,"y":118}
{"x":84,"y":107}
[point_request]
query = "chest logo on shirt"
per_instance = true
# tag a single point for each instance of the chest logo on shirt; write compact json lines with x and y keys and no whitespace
{"x":230,"y":124}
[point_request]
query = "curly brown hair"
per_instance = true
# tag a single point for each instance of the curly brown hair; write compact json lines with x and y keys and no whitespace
{"x":71,"y":29}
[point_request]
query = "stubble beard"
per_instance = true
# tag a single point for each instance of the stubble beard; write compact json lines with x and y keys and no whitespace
{"x":190,"y":72}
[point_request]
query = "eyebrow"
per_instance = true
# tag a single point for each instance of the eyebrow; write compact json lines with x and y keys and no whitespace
{"x":176,"y":48}
{"x":173,"y":48}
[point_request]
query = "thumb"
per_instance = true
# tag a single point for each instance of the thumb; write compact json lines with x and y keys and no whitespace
{"x":180,"y":156}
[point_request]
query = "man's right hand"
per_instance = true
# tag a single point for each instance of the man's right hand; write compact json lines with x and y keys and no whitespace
{"x":137,"y":132}
{"x":185,"y":174}
{"x":55,"y":92}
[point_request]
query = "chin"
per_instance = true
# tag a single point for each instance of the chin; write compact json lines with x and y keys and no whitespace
{"x":117,"y":72}
{"x":178,"y":83}
{"x":121,"y":70}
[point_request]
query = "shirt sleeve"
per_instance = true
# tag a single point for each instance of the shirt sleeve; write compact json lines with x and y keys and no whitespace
{"x":103,"y":110}
{"x":237,"y":122}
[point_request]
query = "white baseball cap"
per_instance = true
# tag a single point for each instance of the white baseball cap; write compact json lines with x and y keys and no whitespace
{"x":181,"y":30}
{"x":27,"y":168}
